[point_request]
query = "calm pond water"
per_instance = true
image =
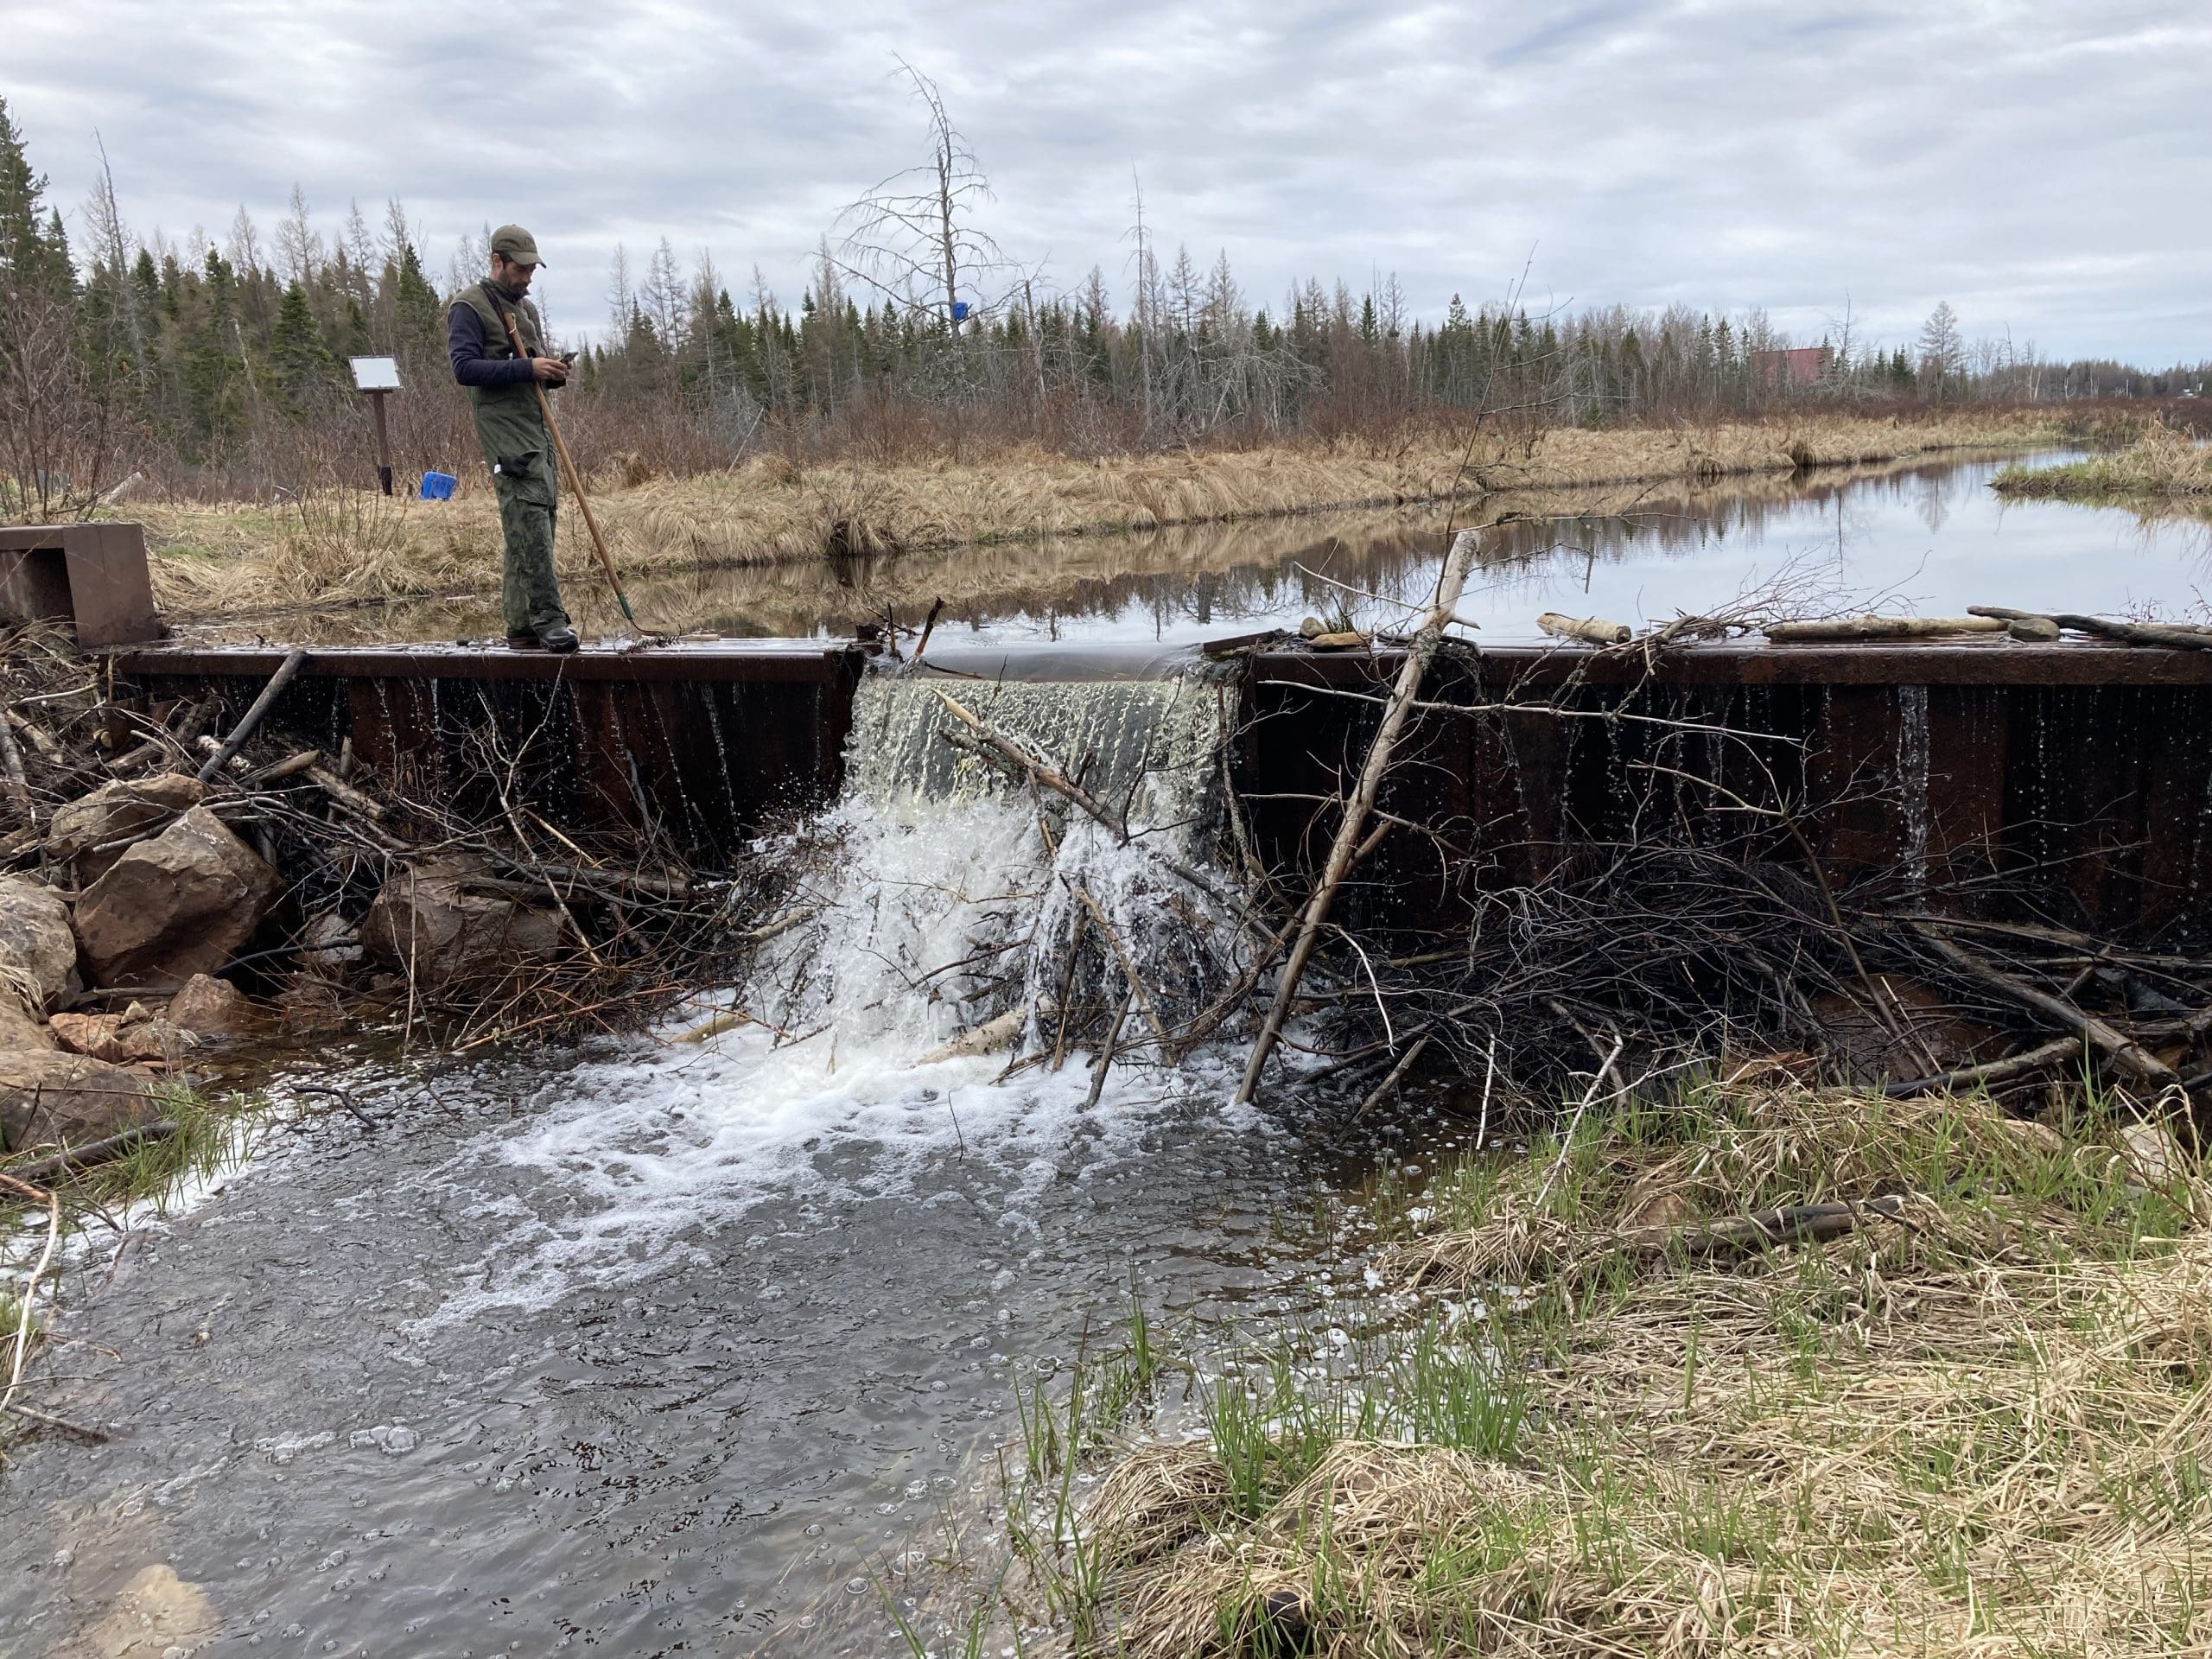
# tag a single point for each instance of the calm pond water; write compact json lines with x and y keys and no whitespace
{"x":662,"y":1349}
{"x":1929,"y":538}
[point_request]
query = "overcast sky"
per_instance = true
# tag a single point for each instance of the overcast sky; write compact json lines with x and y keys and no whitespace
{"x":2042,"y":164}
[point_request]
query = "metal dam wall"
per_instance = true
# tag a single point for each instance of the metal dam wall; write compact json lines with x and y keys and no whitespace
{"x":2082,"y":770}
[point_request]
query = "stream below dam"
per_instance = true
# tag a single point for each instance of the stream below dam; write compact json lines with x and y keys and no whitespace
{"x":657,"y":1347}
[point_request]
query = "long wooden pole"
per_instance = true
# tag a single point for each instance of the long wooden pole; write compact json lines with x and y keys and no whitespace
{"x":569,"y":468}
{"x":1420,"y":653}
{"x":384,"y":441}
{"x":2129,"y":1055}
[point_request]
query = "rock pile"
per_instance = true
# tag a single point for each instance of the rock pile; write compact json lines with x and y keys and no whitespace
{"x":161,"y":893}
{"x":182,"y":895}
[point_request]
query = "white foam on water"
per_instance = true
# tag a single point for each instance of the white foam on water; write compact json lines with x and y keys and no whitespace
{"x":627,"y":1166}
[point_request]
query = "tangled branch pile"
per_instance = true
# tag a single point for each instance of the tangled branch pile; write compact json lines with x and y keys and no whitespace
{"x":1699,"y":917}
{"x":166,"y":890}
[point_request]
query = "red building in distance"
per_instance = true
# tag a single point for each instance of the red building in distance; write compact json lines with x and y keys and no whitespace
{"x":1801,"y":365}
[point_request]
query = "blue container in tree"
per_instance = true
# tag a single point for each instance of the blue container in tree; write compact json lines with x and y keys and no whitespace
{"x":960,"y":310}
{"x":438,"y":486}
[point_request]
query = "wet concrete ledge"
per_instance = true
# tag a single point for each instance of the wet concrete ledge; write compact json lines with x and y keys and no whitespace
{"x":1965,"y":662}
{"x":775,"y":661}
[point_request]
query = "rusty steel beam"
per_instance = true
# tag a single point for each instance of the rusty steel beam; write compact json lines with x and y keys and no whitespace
{"x":756,"y":661}
{"x":1977,"y":662}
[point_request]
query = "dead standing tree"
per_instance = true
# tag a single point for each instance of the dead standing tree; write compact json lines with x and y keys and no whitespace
{"x":913,"y":238}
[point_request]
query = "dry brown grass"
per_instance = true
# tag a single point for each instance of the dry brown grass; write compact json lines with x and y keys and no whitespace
{"x":1064,"y":575}
{"x":2162,"y":466}
{"x":1988,"y":1430}
{"x":338,"y":546}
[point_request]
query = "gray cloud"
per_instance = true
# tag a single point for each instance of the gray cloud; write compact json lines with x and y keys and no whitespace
{"x":2040,"y":163}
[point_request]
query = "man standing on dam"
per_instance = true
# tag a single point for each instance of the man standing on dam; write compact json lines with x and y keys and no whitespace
{"x":497,"y":344}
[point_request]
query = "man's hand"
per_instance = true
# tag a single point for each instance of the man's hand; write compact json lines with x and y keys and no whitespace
{"x":549,"y":371}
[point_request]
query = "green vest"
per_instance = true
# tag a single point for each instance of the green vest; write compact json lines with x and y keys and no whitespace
{"x":508,"y":419}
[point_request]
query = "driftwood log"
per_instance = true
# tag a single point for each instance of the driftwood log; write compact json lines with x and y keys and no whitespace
{"x":295,"y":659}
{"x":2024,"y":1064}
{"x":2128,"y":1055}
{"x":59,"y":1165}
{"x":1880,"y":627}
{"x":1450,"y":581}
{"x":1798,"y":1223}
{"x":11,"y":769}
{"x":2174,"y":637}
{"x":1022,"y":760}
{"x":1590,"y":630}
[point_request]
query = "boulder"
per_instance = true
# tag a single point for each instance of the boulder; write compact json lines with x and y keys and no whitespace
{"x":19,"y":1030}
{"x":206,"y":1006}
{"x":38,"y":953}
{"x":184,"y":903}
{"x":125,"y":810}
{"x":48,"y":1098}
{"x":329,"y":945}
{"x":452,"y":938}
{"x":121,"y":1039}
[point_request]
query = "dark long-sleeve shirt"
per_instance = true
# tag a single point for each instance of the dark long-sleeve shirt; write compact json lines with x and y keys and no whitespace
{"x":465,"y":346}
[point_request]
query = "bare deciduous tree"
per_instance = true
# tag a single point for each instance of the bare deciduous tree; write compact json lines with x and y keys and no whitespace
{"x":913,"y":236}
{"x":56,"y":439}
{"x":299,"y":247}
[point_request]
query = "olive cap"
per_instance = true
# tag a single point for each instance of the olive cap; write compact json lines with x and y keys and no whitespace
{"x":517,"y":244}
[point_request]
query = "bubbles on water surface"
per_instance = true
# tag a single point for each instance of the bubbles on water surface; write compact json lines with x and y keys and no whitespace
{"x":936,"y":903}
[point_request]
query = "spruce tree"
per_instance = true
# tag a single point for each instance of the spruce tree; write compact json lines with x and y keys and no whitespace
{"x":304,"y":371}
{"x":417,"y":321}
{"x":213,"y":396}
{"x":23,"y":258}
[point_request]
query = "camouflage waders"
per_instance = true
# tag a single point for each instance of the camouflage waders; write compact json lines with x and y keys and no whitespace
{"x":529,"y":502}
{"x":519,"y":451}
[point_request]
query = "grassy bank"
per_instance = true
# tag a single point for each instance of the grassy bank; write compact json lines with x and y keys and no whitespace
{"x":339,"y":545}
{"x":1977,"y":1421}
{"x":2161,"y":470}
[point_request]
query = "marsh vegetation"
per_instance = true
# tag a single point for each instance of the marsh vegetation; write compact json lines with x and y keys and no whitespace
{"x":2163,"y":471}
{"x":1608,"y":1396}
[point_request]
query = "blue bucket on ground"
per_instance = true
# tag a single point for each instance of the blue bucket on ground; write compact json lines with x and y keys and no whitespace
{"x":438,"y":486}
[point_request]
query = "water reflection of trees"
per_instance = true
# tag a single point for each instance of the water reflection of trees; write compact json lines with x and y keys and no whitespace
{"x":1264,"y":572}
{"x":1271,"y":571}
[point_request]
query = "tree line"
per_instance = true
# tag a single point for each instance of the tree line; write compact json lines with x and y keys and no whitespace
{"x":220,"y":369}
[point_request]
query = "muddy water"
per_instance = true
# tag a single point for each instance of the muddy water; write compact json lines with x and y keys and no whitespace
{"x":1928,"y":538}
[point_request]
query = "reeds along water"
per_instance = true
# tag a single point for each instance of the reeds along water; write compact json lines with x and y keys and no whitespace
{"x":212,"y":559}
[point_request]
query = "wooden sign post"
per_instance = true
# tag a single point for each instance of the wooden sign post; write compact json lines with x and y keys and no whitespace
{"x":378,"y":376}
